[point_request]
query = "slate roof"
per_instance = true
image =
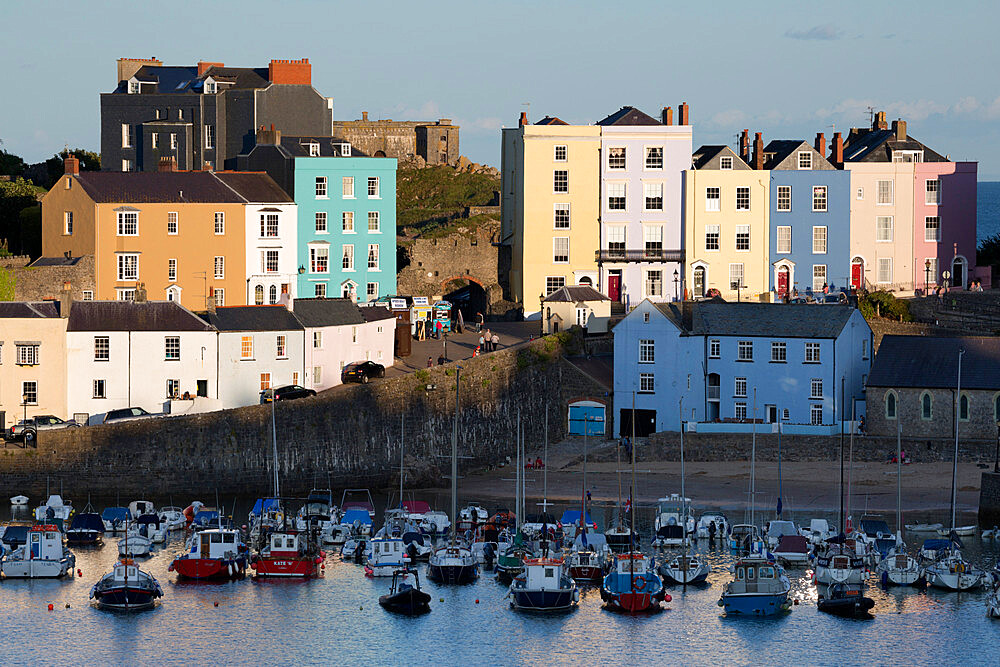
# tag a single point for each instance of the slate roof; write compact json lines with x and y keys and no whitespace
{"x":299,"y":146}
{"x":184,"y":79}
{"x":629,"y":116}
{"x":28,"y":309}
{"x":719,"y":318}
{"x":551,"y":120}
{"x":176,"y":187}
{"x":878,"y":145}
{"x":377,"y":313}
{"x":705,"y":154}
{"x":56,"y":261}
{"x":256,"y":187}
{"x":932,"y":362}
{"x":254,"y":318}
{"x":132,"y":316}
{"x":779,"y":150}
{"x":575,"y":293}
{"x":327,"y":312}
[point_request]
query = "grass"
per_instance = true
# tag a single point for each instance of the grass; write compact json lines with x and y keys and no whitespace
{"x":428,"y":200}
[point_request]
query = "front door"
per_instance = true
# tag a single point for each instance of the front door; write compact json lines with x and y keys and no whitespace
{"x":699,"y":282}
{"x":857,"y":273}
{"x":783,"y":280}
{"x":614,"y":287}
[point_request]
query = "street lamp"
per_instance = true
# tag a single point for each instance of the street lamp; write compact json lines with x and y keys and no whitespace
{"x":927,"y":275}
{"x":676,"y":286}
{"x":541,"y":314}
{"x":444,"y":335}
{"x":24,"y":424}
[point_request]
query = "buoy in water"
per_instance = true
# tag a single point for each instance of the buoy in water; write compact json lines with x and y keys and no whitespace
{"x":79,"y":572}
{"x":67,"y":605}
{"x":215,"y":604}
{"x":795,"y":601}
{"x":477,"y":600}
{"x":51,"y":606}
{"x":441,"y":600}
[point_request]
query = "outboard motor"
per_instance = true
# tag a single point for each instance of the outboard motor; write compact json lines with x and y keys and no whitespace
{"x":359,"y":552}
{"x":488,"y":554}
{"x":411,"y":551}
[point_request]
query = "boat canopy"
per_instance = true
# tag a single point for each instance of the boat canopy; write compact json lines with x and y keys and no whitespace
{"x":206,"y":517}
{"x":359,"y":515}
{"x":410,"y":536}
{"x":152,"y":519}
{"x":595,"y":541}
{"x":416,"y":506}
{"x":321,"y":496}
{"x":573,"y":516}
{"x":819,"y":526}
{"x":265,"y":505}
{"x":936,"y":544}
{"x":15,"y":536}
{"x":358,"y":504}
{"x":778,"y":529}
{"x":87,"y":521}
{"x":796,"y":544}
{"x":116,"y":514}
{"x":874,"y":527}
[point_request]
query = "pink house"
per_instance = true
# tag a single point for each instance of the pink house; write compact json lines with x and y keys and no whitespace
{"x":944,"y":219}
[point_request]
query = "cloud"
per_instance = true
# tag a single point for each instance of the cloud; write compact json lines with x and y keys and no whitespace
{"x":728,"y":118}
{"x":826,"y":32}
{"x":427,"y":111}
{"x":966,"y":105}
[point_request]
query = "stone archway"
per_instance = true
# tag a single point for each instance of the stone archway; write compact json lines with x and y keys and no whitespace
{"x":468,"y":294}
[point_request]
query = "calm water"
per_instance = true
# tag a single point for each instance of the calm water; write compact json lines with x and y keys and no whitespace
{"x":337,"y":619}
{"x":988,"y":207}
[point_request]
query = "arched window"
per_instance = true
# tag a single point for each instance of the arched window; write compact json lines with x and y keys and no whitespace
{"x":890,"y":404}
{"x":963,"y":408}
{"x":926,"y":406}
{"x":258,"y":295}
{"x":273,"y":294}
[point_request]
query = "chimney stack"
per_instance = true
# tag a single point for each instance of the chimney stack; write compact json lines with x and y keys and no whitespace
{"x":71,"y":165}
{"x":837,"y":157}
{"x":140,"y":293}
{"x":758,"y":151}
{"x":290,"y":72}
{"x":127,"y":67}
{"x":683,"y":119}
{"x":270,"y":137}
{"x":65,"y":299}
{"x":820,"y":144}
{"x":745,"y":146}
{"x":667,"y":116}
{"x":364,"y":115}
{"x":168,"y":163}
{"x":899,"y":129}
{"x":523,"y":120}
{"x":879,"y":122}
{"x":204,"y":66}
{"x":210,"y":301}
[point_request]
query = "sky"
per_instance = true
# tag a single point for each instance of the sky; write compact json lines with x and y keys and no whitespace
{"x":787,"y":69}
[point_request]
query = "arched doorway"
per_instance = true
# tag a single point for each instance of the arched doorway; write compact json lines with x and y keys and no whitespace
{"x":783,"y":281}
{"x":379,"y":154}
{"x":699,"y":282}
{"x":857,"y":273}
{"x":958,"y":272}
{"x":467,"y":296}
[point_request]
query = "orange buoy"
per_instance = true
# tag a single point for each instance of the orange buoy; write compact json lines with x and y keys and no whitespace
{"x":51,"y":606}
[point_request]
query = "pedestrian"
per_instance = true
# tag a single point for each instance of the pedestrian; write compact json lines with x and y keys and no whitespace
{"x":479,"y":322}
{"x":481,"y":340}
{"x":475,"y":352}
{"x":486,"y":341}
{"x":495,"y":342}
{"x":430,"y":362}
{"x":441,"y":360}
{"x":437,"y":329}
{"x":826,"y":288}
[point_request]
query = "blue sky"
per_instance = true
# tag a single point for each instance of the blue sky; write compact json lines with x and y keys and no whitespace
{"x":789,"y":69}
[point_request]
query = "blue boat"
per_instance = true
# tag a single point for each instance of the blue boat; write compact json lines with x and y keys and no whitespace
{"x":545,"y":585}
{"x":85,"y":528}
{"x":115,"y":518}
{"x":759,"y":588}
{"x":633,"y":584}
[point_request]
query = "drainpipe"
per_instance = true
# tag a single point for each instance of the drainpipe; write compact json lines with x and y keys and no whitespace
{"x":128,"y":372}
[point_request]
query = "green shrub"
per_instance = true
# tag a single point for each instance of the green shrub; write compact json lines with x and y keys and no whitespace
{"x":883,"y":304}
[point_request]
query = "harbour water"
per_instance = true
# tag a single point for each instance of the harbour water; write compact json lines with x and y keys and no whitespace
{"x":987,"y":209}
{"x":337,"y":619}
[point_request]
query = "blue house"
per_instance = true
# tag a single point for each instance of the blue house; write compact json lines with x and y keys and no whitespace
{"x":810,"y":219}
{"x":347,"y":212}
{"x":723,"y":365}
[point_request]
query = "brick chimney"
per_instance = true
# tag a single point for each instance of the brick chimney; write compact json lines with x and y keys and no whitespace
{"x":523,"y":120}
{"x":745,"y":145}
{"x":71,"y":165}
{"x":682,"y":113}
{"x":364,"y":115}
{"x":65,"y":299}
{"x":820,"y":145}
{"x":140,"y":293}
{"x":204,"y":66}
{"x":837,"y":155}
{"x":270,"y":137}
{"x":167,"y":163}
{"x":667,"y":116}
{"x":879,"y":122}
{"x":758,"y":151}
{"x":210,"y":301}
{"x":899,"y":129}
{"x":294,"y":72}
{"x":127,"y":67}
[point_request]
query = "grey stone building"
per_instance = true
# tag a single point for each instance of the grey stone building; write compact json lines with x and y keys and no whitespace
{"x":914,"y":380}
{"x":204,"y":115}
{"x":435,"y":142}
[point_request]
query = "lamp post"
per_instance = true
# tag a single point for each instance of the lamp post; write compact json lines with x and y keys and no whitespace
{"x":676,"y":286}
{"x":927,"y":275}
{"x":444,"y":336}
{"x":541,"y":315}
{"x":996,"y":462}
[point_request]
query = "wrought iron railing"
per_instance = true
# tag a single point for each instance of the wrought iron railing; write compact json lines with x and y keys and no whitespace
{"x":607,"y":255}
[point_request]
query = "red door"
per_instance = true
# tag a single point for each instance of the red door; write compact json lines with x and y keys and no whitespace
{"x":857,"y":274}
{"x":783,"y":281}
{"x":614,"y":287}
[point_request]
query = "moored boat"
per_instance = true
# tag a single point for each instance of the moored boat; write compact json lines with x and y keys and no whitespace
{"x":792,"y":550}
{"x":19,"y":501}
{"x":633,"y":585}
{"x":993,"y":603}
{"x":54,"y":508}
{"x":900,"y":569}
{"x":384,"y":556}
{"x":952,"y":572}
{"x":115,"y":519}
{"x":847,"y":600}
{"x":405,"y":596}
{"x":85,"y":528}
{"x":43,"y":556}
{"x":126,"y":588}
{"x":759,"y":588}
{"x":217,"y":553}
{"x":712,"y":525}
{"x":544,"y":585}
{"x":288,"y":554}
{"x":685,"y":570}
{"x":673,"y":522}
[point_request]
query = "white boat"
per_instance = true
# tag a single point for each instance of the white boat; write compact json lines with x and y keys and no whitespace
{"x":685,"y":569}
{"x":818,"y":532}
{"x":545,"y":585}
{"x":472,"y":515}
{"x":172,"y":518}
{"x":19,"y":501}
{"x":993,"y":604}
{"x":840,"y":564}
{"x":43,"y":556}
{"x":924,"y":527}
{"x":385,"y":555}
{"x":954,"y":573}
{"x":705,"y":521}
{"x":778,"y":528}
{"x":140,"y":536}
{"x":792,"y":550}
{"x":435,"y":524}
{"x":899,"y":568}
{"x":126,"y":588}
{"x":139,"y":507}
{"x":962,"y":531}
{"x":673,"y":522}
{"x":54,"y":508}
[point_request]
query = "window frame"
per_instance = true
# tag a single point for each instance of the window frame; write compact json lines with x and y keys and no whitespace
{"x":744,"y":350}
{"x":102,"y":348}
{"x":620,"y":162}
{"x":648,"y":154}
{"x":878,"y":270}
{"x":778,"y":240}
{"x":783,"y":199}
{"x":779,"y":352}
{"x":743,"y":191}
{"x":219,"y":267}
{"x":726,"y":163}
{"x":316,"y":259}
{"x":884,"y":227}
{"x":895,"y":405}
{"x":890,"y":194}
{"x":820,"y":199}
{"x":560,"y":181}
{"x":739,"y":387}
{"x":377,"y":229}
{"x":246,"y":348}
{"x":321,"y":228}
{"x":374,"y":258}
{"x":936,"y":190}
{"x":816,"y":388}
{"x":647,"y":351}
{"x":220,"y":223}
{"x":820,"y":233}
{"x":171,"y":348}
{"x":655,"y":198}
{"x":347,"y":187}
{"x":127,"y":261}
{"x":557,"y":223}
{"x":804,"y":160}
{"x":715,"y":348}
{"x":616,"y":196}
{"x":742,"y":234}
{"x":647,"y":380}
{"x":374,"y":187}
{"x":709,"y":191}
{"x":128,"y":223}
{"x":812,"y":353}
{"x":556,"y":241}
{"x":713,"y":238}
{"x":565,"y":153}
{"x":936,"y":228}
{"x":321,"y":190}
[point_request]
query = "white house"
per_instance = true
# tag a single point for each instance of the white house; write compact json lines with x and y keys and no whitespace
{"x":338,"y":332}
{"x":139,"y":354}
{"x":271,"y":237}
{"x":259,"y":347}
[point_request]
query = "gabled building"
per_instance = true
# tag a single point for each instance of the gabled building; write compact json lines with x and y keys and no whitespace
{"x":33,"y":359}
{"x":576,"y":306}
{"x":204,"y":115}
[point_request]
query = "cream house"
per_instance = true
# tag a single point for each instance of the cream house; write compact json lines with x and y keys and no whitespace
{"x":579,"y":305}
{"x":33,"y":359}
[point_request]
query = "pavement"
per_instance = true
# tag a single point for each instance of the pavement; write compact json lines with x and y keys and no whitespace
{"x":460,"y":346}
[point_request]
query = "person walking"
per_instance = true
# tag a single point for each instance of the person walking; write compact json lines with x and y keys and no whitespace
{"x":479,"y":322}
{"x":437,"y":329}
{"x":481,"y":341}
{"x":486,"y":341}
{"x":495,"y":343}
{"x":430,"y":362}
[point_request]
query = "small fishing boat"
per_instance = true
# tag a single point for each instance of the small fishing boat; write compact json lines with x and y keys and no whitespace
{"x":405,"y":596}
{"x":877,"y":535}
{"x":19,"y":501}
{"x":899,"y":568}
{"x":358,"y":499}
{"x":172,"y":518}
{"x":924,"y":527}
{"x":126,"y":588}
{"x":288,"y":554}
{"x":140,"y":536}
{"x":961,"y":531}
{"x":544,"y":585}
{"x":418,"y":546}
{"x":265,"y":515}
{"x":993,"y":603}
{"x":759,"y":588}
{"x":139,"y":507}
{"x":778,"y":528}
{"x":85,"y":528}
{"x":685,"y":570}
{"x":453,"y":564}
{"x":414,"y":510}
{"x":216,"y":553}
{"x":745,"y":537}
{"x":633,"y":584}
{"x":792,"y":551}
{"x":316,"y":515}
{"x":673,"y":522}
{"x":933,"y":549}
{"x":357,"y":521}
{"x":115,"y":519}
{"x":838,"y":562}
{"x":510,"y":561}
{"x":952,"y":572}
{"x":54,"y":508}
{"x":43,"y":556}
{"x":589,"y":557}
{"x":14,"y":536}
{"x":354,"y":550}
{"x":847,"y":600}
{"x":472,"y":516}
{"x":818,"y":532}
{"x":385,"y":555}
{"x":704,"y":529}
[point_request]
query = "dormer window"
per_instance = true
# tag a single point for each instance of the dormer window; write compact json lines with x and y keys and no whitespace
{"x":726,"y":162}
{"x":133,"y":87}
{"x":211,"y":87}
{"x":313,"y":150}
{"x":805,"y":160}
{"x":907,"y":156}
{"x":345,"y":149}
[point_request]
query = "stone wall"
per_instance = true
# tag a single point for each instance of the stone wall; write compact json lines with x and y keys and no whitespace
{"x":36,"y":283}
{"x":349,"y":436}
{"x":881,"y":327}
{"x":404,"y":140}
{"x":989,"y":500}
{"x":981,"y":425}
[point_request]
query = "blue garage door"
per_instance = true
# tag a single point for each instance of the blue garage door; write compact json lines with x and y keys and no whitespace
{"x":586,"y":415}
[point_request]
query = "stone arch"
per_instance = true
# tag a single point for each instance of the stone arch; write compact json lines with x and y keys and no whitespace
{"x":379,"y":154}
{"x":471,"y":279}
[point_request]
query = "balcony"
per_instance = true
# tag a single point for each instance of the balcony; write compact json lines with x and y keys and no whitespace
{"x":639,"y":256}
{"x":713,"y":393}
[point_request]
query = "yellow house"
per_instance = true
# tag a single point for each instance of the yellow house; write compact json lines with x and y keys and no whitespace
{"x":550,"y":207}
{"x":726,"y":226}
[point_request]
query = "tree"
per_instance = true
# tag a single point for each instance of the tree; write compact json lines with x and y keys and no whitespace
{"x":10,"y":164}
{"x":988,"y":253}
{"x":15,"y":196}
{"x":89,"y":161}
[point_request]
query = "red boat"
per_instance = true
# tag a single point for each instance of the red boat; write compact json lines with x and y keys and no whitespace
{"x":215,"y":554}
{"x":585,"y":565}
{"x":289,"y":554}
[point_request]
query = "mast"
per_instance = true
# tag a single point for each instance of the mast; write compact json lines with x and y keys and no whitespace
{"x":632,"y":506}
{"x":842,"y":456}
{"x":850,"y":465}
{"x":401,"y":446}
{"x":583,"y":493}
{"x":899,"y":476}
{"x":274,"y":444}
{"x":778,"y":411}
{"x":454,"y":460}
{"x":753,"y":456}
{"x":954,"y":463}
{"x":517,"y":473}
{"x":684,"y":516}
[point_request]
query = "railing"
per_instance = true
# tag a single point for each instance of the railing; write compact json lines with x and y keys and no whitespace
{"x":639,"y":255}
{"x":713,"y":393}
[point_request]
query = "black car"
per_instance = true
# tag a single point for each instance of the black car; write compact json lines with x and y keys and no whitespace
{"x":286,"y":393}
{"x":362,"y":371}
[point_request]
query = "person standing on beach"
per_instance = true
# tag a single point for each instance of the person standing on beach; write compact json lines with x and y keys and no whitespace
{"x":481,"y":340}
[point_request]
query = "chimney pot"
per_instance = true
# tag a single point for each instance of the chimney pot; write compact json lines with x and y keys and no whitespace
{"x":745,"y":145}
{"x":523,"y":120}
{"x":758,"y":151}
{"x":167,"y":163}
{"x":880,"y":123}
{"x":667,"y":116}
{"x":899,"y":129}
{"x":684,"y":118}
{"x":820,"y":143}
{"x":71,"y":165}
{"x":838,"y":150}
{"x":364,"y":115}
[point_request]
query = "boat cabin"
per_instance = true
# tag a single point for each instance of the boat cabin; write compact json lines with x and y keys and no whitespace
{"x":541,"y":573}
{"x":45,"y":543}
{"x":632,"y":564}
{"x":753,"y":575}
{"x":286,"y":543}
{"x":126,"y":571}
{"x":217,"y":543}
{"x":390,"y":550}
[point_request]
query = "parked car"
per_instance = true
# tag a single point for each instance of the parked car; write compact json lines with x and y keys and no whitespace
{"x":27,"y":430}
{"x":126,"y":414}
{"x":286,"y":393}
{"x":827,"y":299}
{"x":362,"y":371}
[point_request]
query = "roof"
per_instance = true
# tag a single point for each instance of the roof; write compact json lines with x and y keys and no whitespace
{"x":717,"y":318}
{"x":377,"y":314}
{"x":629,"y":116}
{"x":878,"y":145}
{"x":133,"y":316}
{"x":299,"y":146}
{"x":180,"y":187}
{"x":184,"y":79}
{"x":255,"y":187}
{"x":327,"y":312}
{"x":932,"y":362}
{"x":28,"y":309}
{"x":778,"y":151}
{"x":575,"y":293}
{"x":56,"y":261}
{"x":551,"y":120}
{"x":254,"y":318}
{"x":705,"y":154}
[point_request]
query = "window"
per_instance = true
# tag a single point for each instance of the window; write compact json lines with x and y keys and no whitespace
{"x":996,"y":408}
{"x":819,"y":198}
{"x":740,"y":411}
{"x":714,"y":349}
{"x":713,"y":199}
{"x":373,"y":187}
{"x":742,"y":199}
{"x":812,"y":353}
{"x":816,"y":388}
{"x":652,"y":236}
{"x":884,"y":192}
{"x":220,"y":296}
{"x":616,"y":158}
{"x":128,"y":136}
{"x":280,"y":347}
{"x":860,"y":194}
{"x":560,"y":180}
{"x":616,"y":196}
{"x":171,"y":348}
{"x":816,"y":415}
{"x":347,"y":187}
{"x":646,"y":351}
{"x":805,"y":160}
{"x":553,"y":283}
{"x":125,"y":294}
{"x":926,"y":406}
{"x":99,"y":389}
{"x":102,"y":348}
{"x":347,"y":258}
{"x":559,"y":153}
{"x":220,"y":267}
{"x":354,"y":334}
{"x":819,"y":277}
{"x":269,"y":261}
{"x":784,"y":239}
{"x":740,"y":390}
{"x":246,"y":347}
{"x":742,"y":238}
{"x":582,"y":315}
{"x":885,"y":269}
{"x":712,"y":237}
{"x":932,"y":228}
{"x":209,"y":136}
{"x":784,"y":198}
{"x":268,"y":225}
{"x":347,"y":222}
{"x":321,"y":222}
{"x":319,"y":259}
{"x":133,"y":87}
{"x":932,"y":192}
{"x":173,"y":388}
{"x":172,"y":270}
{"x":560,"y":216}
{"x":819,"y":240}
{"x":173,"y":141}
{"x":963,"y":408}
{"x":313,"y":149}
{"x":210,"y":87}
{"x":736,"y":276}
{"x":778,"y":352}
{"x":654,"y":157}
{"x":126,"y":165}
{"x":890,"y":404}
{"x":373,"y":257}
{"x":371,"y":291}
{"x":653,"y":194}
{"x":68,"y":223}
{"x":258,"y":295}
{"x":864,"y":349}
{"x":128,"y":267}
{"x":883,"y":228}
{"x":265,"y":381}
{"x":744,"y":350}
{"x":320,"y":186}
{"x":88,"y":295}
{"x":319,"y":290}
{"x":128,"y":223}
{"x":907,"y":156}
{"x":172,"y":223}
{"x":616,"y":241}
{"x":317,"y":339}
{"x":220,"y":224}
{"x":317,"y":375}
{"x":726,"y":162}
{"x":560,"y":250}
{"x":154,"y":138}
{"x":646,"y":384}
{"x":373,"y":222}
{"x":931,"y":272}
{"x":29,"y":392}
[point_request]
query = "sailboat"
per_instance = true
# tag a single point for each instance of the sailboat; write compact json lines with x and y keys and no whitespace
{"x":453,"y":563}
{"x":586,"y":563}
{"x":898,"y":567}
{"x":620,"y":537}
{"x":510,"y":561}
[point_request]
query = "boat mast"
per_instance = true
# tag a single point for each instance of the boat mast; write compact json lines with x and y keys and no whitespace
{"x":583,"y":493}
{"x":954,"y":463}
{"x":842,"y":456}
{"x":517,"y":475}
{"x":850,"y":465}
{"x":778,"y":415}
{"x":684,"y":517}
{"x":274,"y":445}
{"x":632,"y":506}
{"x":454,"y":460}
{"x":899,"y":477}
{"x":753,"y":454}
{"x":402,"y":442}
